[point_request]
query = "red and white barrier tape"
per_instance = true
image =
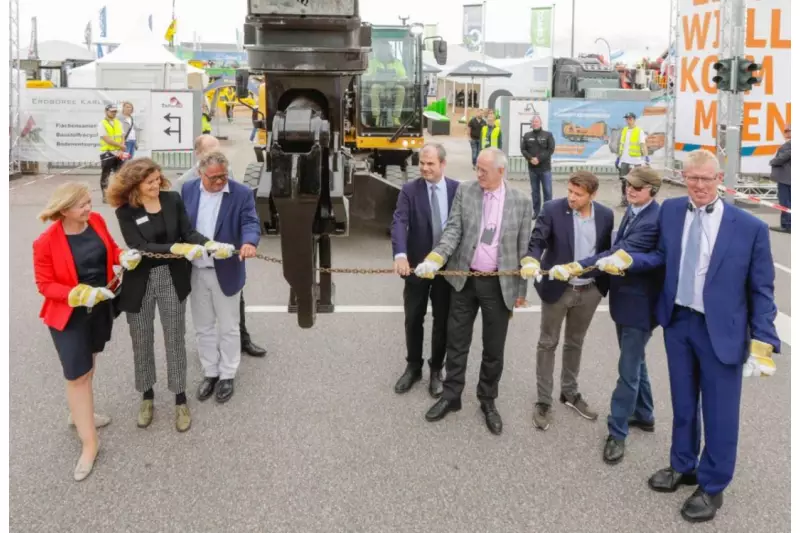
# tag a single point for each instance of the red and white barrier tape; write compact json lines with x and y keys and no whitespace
{"x":755,"y":199}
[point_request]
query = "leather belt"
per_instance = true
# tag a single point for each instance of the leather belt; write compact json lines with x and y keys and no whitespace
{"x":581,"y":288}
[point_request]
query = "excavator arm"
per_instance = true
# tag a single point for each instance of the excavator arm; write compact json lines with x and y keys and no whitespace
{"x":311,"y":53}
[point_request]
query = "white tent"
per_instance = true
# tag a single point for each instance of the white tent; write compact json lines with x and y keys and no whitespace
{"x":140,"y":62}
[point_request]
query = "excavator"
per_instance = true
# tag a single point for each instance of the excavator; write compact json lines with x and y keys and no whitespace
{"x":313,"y":54}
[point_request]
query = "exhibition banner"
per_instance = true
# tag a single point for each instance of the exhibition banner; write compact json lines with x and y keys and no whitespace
{"x":590,"y":130}
{"x":767,"y":108}
{"x":62,"y":125}
{"x":520,"y":114}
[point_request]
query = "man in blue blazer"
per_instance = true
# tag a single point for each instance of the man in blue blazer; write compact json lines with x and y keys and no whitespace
{"x":225,"y":211}
{"x":632,"y":302}
{"x":717,"y":308}
{"x":422,"y":210}
{"x":566,"y":231}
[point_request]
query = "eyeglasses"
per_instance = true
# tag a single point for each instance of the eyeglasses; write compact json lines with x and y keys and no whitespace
{"x":698,"y":179}
{"x":221,"y":178}
{"x":637,"y":189}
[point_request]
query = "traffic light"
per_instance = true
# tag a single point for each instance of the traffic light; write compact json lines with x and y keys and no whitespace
{"x":724,"y":77}
{"x":745,"y":77}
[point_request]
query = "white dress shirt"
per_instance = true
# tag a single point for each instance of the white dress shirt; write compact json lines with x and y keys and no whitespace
{"x":709,"y":224}
{"x":207,"y":214}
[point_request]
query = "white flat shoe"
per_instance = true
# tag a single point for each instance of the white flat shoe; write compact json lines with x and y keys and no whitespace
{"x":100,"y":421}
{"x":83,"y":468}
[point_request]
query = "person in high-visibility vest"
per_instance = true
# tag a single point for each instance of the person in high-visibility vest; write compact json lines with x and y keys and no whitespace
{"x":491,"y":136}
{"x":632,"y":151}
{"x":383,"y":64}
{"x":112,"y":145}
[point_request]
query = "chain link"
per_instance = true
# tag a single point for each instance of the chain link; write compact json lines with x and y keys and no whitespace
{"x":370,"y":271}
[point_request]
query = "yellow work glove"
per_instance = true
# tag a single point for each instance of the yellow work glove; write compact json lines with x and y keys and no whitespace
{"x":87,"y":296}
{"x":219,"y":250}
{"x":130,"y":259}
{"x":428,"y":268}
{"x":190,"y":252}
{"x":531,"y":268}
{"x":760,"y":362}
{"x":616,"y":263}
{"x":565,"y":272}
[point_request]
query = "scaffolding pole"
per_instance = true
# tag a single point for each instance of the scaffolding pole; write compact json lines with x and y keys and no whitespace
{"x":14,"y":89}
{"x":670,"y":162}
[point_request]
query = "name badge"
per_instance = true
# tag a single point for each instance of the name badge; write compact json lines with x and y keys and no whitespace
{"x":142,"y":220}
{"x":488,"y":236}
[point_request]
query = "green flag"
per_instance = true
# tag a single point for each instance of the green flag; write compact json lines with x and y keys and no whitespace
{"x":541,"y":22}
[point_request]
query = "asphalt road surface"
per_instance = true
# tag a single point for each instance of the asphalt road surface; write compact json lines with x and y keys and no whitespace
{"x":315,"y":439}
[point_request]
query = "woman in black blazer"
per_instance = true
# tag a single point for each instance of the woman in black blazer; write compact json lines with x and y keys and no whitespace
{"x":154,"y":219}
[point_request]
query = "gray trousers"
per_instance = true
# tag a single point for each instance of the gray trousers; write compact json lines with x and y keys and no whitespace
{"x":172,"y":312}
{"x":578,"y":307}
{"x":216,"y":323}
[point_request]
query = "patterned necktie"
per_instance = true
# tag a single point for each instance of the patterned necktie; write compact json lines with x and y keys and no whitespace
{"x":436,"y":216}
{"x":691,"y":254}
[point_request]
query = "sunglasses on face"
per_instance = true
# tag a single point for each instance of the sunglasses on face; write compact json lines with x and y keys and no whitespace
{"x":220,"y":179}
{"x":637,"y":189}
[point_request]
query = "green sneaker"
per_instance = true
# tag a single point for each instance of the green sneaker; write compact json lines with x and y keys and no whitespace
{"x":183,"y":420}
{"x":145,"y":413}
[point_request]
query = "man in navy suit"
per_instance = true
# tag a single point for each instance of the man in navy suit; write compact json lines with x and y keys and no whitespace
{"x":566,"y":231}
{"x":225,"y":211}
{"x":632,"y":301}
{"x":422,"y":210}
{"x":717,"y":308}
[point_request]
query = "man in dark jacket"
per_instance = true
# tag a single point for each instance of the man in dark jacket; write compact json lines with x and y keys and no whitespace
{"x":782,"y":175}
{"x":537,"y":148}
{"x":474,"y":128}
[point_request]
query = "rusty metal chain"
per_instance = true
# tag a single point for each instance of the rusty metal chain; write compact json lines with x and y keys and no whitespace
{"x":368,"y":271}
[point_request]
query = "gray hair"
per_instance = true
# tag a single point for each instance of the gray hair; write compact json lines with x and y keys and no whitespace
{"x":440,"y":151}
{"x":204,"y":140}
{"x":212,"y":158}
{"x":701,"y":157}
{"x":498,"y":157}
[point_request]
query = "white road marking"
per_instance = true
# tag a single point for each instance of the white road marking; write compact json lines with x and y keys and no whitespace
{"x":785,"y":269}
{"x":48,"y":177}
{"x":783,"y":322}
{"x":30,"y":183}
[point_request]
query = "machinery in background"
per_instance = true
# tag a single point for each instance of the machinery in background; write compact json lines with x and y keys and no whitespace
{"x":577,"y":133}
{"x":312,"y":55}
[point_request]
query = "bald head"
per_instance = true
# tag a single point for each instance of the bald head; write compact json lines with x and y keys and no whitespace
{"x":205,"y":144}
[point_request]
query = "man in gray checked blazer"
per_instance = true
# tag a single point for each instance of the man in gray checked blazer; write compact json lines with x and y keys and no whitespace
{"x":488,"y":230}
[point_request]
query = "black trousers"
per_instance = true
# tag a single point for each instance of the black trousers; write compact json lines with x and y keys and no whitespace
{"x":245,"y":336}
{"x":482,"y":293}
{"x":108,"y":164}
{"x":415,"y":302}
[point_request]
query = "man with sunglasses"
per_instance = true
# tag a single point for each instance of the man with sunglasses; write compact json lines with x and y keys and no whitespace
{"x":632,"y":302}
{"x":222,"y":210}
{"x":782,"y":175}
{"x":717,"y":308}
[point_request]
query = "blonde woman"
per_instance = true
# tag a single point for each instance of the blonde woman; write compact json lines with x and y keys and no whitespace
{"x":74,"y":261}
{"x":153,"y":219}
{"x":129,"y":129}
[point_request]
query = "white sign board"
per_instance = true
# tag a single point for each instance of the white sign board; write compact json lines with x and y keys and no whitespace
{"x":171,"y":120}
{"x":61,"y":125}
{"x":767,"y":108}
{"x":520,"y":114}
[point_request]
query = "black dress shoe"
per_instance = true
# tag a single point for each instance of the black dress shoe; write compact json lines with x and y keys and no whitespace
{"x":668,"y":480}
{"x":224,"y":390}
{"x":641,"y":424}
{"x":441,"y":408}
{"x":614,"y":450}
{"x":250,"y":348}
{"x":436,"y":387}
{"x":493,"y":420}
{"x":206,"y":388}
{"x":407,"y":380}
{"x":701,"y":506}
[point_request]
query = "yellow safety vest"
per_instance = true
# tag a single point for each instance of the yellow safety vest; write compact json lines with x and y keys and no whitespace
{"x":206,"y":124}
{"x":115,"y":132}
{"x":396,"y":66}
{"x":485,"y":141}
{"x":634,"y":147}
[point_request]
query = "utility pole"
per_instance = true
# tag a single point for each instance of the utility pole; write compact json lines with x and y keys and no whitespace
{"x":572,"y":40}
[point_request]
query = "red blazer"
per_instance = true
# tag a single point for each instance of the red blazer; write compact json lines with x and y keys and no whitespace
{"x":55,"y":272}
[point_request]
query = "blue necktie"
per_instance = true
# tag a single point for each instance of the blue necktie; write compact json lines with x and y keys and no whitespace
{"x":691,"y":254}
{"x":436,"y":217}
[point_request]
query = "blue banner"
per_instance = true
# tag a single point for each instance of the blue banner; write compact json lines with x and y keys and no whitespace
{"x":590,"y":129}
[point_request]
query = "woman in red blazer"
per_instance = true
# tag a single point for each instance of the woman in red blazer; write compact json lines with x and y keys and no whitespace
{"x":74,"y":261}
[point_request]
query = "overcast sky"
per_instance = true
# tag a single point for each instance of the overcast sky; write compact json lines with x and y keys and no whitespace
{"x":624,"y":23}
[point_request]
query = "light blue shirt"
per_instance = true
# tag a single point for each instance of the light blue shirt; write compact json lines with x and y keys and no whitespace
{"x":207,"y":214}
{"x":709,"y":224}
{"x":585,"y":240}
{"x":441,"y":196}
{"x":636,"y":210}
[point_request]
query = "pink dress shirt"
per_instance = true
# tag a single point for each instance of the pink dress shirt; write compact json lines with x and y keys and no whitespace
{"x":485,"y":258}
